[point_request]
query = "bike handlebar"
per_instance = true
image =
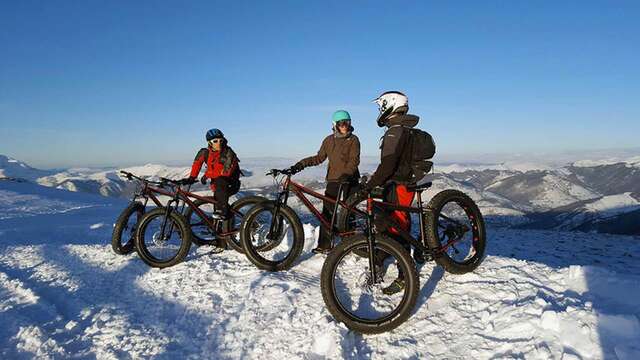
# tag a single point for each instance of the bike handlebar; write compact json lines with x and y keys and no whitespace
{"x":276,"y":172}
{"x":130,"y":176}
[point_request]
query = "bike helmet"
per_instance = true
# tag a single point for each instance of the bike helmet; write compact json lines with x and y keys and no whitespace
{"x":213,"y":134}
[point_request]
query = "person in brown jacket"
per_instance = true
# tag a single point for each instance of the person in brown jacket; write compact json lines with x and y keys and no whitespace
{"x":342,"y":148}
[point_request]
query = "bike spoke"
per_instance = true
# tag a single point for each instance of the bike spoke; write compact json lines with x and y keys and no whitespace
{"x":453,"y":230}
{"x":358,"y":295}
{"x":162,"y":247}
{"x":271,"y":245}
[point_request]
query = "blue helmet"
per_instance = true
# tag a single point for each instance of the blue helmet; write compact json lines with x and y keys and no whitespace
{"x":214,"y":133}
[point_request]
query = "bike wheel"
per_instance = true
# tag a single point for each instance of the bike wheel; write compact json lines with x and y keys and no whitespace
{"x":159,"y":249}
{"x":240,"y":208}
{"x":350,"y":295}
{"x":272,"y":252}
{"x":455,"y":230}
{"x":124,"y":230}
{"x":201,"y":233}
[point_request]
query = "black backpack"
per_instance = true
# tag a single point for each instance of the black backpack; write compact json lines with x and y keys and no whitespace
{"x":422,"y":148}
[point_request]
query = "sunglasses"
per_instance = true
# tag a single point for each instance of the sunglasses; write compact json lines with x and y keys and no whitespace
{"x":215,"y":141}
{"x":343,"y":123}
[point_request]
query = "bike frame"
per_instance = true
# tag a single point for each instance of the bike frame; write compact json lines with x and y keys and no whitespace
{"x":186,"y":196}
{"x":147,"y":191}
{"x":299,"y":191}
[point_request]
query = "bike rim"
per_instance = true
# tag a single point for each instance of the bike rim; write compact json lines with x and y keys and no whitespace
{"x":162,"y":247}
{"x":236,"y":221}
{"x":276,"y":248}
{"x":458,"y":231}
{"x":356,"y":297}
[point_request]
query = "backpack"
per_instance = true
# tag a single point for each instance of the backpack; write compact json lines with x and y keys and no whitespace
{"x":422,"y":148}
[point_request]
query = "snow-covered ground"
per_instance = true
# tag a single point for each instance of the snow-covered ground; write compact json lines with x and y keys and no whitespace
{"x":64,"y":293}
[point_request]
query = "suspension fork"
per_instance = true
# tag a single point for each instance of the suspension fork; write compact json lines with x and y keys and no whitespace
{"x":371,"y":240}
{"x":168,"y":209}
{"x":282,"y":198}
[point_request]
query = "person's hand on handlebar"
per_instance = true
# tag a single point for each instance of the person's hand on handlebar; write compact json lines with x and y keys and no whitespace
{"x":296,"y":168}
{"x":189,"y":180}
{"x":364,"y":189}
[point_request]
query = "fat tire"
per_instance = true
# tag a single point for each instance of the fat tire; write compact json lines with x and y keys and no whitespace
{"x":433,"y":239}
{"x":183,"y":228}
{"x":412,"y":284}
{"x":233,"y":241}
{"x":120,"y":225}
{"x":254,"y":256}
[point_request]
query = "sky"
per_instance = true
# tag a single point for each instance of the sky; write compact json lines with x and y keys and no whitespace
{"x":98,"y":83}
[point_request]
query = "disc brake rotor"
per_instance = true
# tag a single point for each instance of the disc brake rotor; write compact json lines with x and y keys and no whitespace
{"x":158,"y":239}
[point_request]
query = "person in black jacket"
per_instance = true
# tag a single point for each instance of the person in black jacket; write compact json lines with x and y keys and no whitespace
{"x":394,"y":172}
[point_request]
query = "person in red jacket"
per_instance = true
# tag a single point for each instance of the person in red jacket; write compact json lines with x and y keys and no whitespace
{"x":222,"y":169}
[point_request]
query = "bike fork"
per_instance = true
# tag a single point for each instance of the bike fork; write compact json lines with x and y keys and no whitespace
{"x":274,"y":228}
{"x":165,"y":220}
{"x":371,"y":241}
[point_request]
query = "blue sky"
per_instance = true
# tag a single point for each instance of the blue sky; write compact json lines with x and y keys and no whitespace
{"x":117,"y":82}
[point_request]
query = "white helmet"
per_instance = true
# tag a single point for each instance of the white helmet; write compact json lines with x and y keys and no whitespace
{"x":391,"y":102}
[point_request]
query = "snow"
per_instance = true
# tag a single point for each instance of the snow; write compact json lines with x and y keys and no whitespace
{"x":63,"y":293}
{"x":558,"y":191}
{"x":505,"y":166}
{"x":631,"y":161}
{"x":13,"y":168}
{"x":613,"y":204}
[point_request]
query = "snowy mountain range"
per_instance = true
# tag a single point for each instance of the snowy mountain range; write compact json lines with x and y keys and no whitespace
{"x":599,"y":196}
{"x":537,"y":295}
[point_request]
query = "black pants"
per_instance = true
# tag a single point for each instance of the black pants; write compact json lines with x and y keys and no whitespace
{"x":324,"y":241}
{"x":224,"y":187}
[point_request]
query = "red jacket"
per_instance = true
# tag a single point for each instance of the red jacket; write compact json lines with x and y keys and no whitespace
{"x":219,"y":163}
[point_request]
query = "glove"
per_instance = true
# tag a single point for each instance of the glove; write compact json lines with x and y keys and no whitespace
{"x":188,"y":181}
{"x":364,"y":188}
{"x":296,"y":168}
{"x":203,"y":180}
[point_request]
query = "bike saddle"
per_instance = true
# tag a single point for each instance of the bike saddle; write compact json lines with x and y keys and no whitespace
{"x":421,"y":187}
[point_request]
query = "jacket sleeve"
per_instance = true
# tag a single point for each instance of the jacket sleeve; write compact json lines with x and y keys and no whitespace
{"x":201,"y":158}
{"x":392,"y":146}
{"x":354,"y":156}
{"x":318,"y":158}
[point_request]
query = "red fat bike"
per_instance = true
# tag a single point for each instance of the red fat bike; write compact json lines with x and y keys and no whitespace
{"x":369,"y":281}
{"x":124,"y":230}
{"x":271,"y":232}
{"x":164,"y":235}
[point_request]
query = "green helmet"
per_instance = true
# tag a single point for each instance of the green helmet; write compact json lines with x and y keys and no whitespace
{"x":340,"y":115}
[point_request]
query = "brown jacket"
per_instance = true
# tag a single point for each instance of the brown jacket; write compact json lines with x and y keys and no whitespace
{"x":344,"y":157}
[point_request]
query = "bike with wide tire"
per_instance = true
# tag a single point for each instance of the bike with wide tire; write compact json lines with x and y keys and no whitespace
{"x":164,"y":235}
{"x":124,"y":230}
{"x":358,"y":272}
{"x":271,"y":232}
